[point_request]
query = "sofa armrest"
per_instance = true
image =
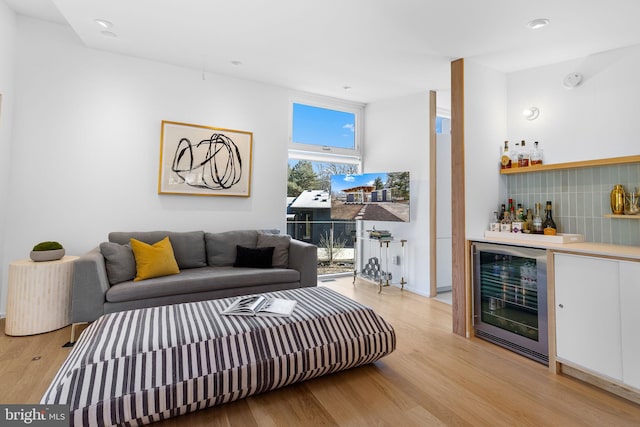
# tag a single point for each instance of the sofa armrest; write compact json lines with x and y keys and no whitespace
{"x":90,"y":284}
{"x":304,"y":258}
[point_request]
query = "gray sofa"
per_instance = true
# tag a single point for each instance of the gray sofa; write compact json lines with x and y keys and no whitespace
{"x":103,"y":277}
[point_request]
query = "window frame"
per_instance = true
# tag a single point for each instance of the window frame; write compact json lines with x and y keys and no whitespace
{"x":323,"y":153}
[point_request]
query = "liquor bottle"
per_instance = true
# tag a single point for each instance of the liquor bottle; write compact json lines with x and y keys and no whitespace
{"x":494,"y":224}
{"x":528,"y":223}
{"x":505,"y":160}
{"x":512,"y":212}
{"x":514,"y":155}
{"x":523,"y":155}
{"x":549,"y":225}
{"x":503,"y":209}
{"x":537,"y":221}
{"x":505,"y":224}
{"x":517,"y":224}
{"x":536,"y":155}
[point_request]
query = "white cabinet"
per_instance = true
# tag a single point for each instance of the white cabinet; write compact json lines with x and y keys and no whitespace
{"x":630,"y":321}
{"x":597,"y":315}
{"x":588,"y":313}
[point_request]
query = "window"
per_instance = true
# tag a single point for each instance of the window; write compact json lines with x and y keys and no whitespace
{"x":315,"y":175}
{"x":443,"y":124}
{"x":325,"y":127}
{"x":324,"y":141}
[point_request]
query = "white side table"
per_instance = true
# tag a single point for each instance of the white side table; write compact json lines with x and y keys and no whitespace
{"x":39,"y":296}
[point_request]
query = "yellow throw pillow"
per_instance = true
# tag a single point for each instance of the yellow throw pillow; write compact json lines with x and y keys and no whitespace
{"x":154,"y":260}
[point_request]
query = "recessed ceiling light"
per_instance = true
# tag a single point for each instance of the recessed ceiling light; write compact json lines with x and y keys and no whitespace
{"x":537,"y":23}
{"x":236,"y":63}
{"x":347,"y":88}
{"x":103,"y":23}
{"x":108,"y":34}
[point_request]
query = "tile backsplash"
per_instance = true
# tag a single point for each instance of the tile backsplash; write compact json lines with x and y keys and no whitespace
{"x":580,"y":200}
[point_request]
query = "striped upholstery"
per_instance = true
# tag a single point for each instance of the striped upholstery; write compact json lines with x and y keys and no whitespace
{"x":146,"y":365}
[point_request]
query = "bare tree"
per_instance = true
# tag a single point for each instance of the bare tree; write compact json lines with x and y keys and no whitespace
{"x":325,"y":170}
{"x":333,"y":247}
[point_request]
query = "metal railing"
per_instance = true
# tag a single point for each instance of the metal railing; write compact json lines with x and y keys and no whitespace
{"x":334,"y":239}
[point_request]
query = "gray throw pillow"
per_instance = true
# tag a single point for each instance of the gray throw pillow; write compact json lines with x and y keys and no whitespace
{"x":280,"y":243}
{"x":119,"y":261}
{"x":221,"y":247}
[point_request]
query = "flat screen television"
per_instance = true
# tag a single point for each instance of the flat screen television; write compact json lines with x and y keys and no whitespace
{"x":381,"y":196}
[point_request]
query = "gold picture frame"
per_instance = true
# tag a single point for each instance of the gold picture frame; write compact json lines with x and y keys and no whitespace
{"x":199,"y":160}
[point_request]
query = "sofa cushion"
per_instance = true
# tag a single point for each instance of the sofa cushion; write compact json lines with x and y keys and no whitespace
{"x":188,"y":246}
{"x":200,"y":280}
{"x":280,"y":243}
{"x":255,"y":258}
{"x":154,"y":260}
{"x":119,"y":261}
{"x":221,"y":247}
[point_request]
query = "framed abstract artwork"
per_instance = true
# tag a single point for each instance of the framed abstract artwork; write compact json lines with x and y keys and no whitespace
{"x":204,"y":161}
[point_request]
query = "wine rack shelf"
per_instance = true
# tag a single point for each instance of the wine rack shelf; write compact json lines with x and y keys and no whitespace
{"x":573,"y":165}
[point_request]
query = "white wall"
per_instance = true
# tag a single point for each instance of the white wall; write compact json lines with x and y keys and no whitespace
{"x":86,"y":136}
{"x":7,"y":53}
{"x":485,"y":129}
{"x":597,"y":119}
{"x":397,"y":140}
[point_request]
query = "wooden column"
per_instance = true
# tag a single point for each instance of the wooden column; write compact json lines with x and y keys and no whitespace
{"x":458,"y":232}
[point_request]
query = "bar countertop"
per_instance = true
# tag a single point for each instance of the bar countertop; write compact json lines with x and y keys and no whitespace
{"x":586,"y":248}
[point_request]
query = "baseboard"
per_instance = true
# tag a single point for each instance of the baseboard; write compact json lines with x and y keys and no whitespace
{"x":611,"y":386}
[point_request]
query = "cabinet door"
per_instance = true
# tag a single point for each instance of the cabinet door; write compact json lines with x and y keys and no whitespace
{"x":630,"y":320}
{"x":588,"y":313}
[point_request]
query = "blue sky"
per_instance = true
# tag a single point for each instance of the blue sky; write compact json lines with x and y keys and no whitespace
{"x":340,"y":182}
{"x":321,"y":126}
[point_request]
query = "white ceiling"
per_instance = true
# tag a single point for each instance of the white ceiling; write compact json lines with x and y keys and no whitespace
{"x":380,"y":48}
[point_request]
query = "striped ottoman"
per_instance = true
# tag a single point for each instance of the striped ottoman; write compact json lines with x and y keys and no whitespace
{"x":147,"y":365}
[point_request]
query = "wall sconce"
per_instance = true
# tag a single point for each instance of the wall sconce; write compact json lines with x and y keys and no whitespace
{"x":531,"y":113}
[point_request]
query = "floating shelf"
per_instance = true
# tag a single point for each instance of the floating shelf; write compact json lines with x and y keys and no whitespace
{"x":622,"y":216}
{"x":573,"y":165}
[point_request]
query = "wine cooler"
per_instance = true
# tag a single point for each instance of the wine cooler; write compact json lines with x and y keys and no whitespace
{"x":510,"y":298}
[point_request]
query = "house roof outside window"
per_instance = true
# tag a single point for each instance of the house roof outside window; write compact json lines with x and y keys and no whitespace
{"x":312,"y":199}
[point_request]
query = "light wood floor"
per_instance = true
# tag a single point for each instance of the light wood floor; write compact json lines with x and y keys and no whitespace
{"x":433,"y":378}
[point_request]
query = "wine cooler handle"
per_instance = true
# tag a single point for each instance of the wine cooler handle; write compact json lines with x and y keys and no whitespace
{"x":561,"y":305}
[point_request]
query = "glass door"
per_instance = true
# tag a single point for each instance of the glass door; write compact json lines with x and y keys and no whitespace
{"x":509,"y":293}
{"x":510,"y":297}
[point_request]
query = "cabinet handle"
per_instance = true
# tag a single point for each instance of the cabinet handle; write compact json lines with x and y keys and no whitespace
{"x":560,"y":305}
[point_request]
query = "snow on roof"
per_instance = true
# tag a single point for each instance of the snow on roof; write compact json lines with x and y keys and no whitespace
{"x":315,"y":199}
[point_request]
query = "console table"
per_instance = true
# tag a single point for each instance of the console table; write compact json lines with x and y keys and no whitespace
{"x":39,"y":296}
